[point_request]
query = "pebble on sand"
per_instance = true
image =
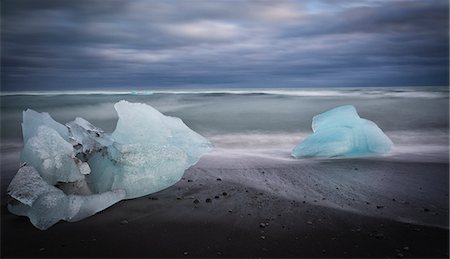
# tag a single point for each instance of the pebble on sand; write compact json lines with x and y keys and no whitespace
{"x":379,"y":235}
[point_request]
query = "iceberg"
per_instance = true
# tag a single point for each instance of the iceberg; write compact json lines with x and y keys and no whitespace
{"x":340,"y":132}
{"x":75,"y":170}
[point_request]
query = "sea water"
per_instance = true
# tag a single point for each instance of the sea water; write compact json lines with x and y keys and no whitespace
{"x":265,"y":121}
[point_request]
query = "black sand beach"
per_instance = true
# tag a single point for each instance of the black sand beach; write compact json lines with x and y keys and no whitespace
{"x":248,"y":206}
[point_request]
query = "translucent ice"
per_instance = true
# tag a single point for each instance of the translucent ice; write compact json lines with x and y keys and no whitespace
{"x":341,"y":132}
{"x":140,"y":123}
{"x":53,"y":157}
{"x":86,"y":137}
{"x":32,"y":120}
{"x":151,"y":152}
{"x":75,"y":170}
{"x":45,"y":204}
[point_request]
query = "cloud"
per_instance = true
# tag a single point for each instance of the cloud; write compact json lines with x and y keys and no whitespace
{"x":145,"y":43}
{"x":129,"y":55}
{"x":204,"y":30}
{"x":280,"y":12}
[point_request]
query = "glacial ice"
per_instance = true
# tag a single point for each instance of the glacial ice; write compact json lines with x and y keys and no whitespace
{"x":341,"y":132}
{"x":52,"y":156}
{"x":88,"y":137}
{"x":32,"y":120}
{"x":76,"y":170}
{"x":150,"y":152}
{"x":45,"y":204}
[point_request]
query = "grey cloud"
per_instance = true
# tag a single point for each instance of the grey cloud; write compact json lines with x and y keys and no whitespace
{"x":139,"y":43}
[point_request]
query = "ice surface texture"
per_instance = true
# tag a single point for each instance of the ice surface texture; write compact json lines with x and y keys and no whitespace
{"x":340,"y":132}
{"x":45,"y":204}
{"x":76,"y":170}
{"x":150,"y":152}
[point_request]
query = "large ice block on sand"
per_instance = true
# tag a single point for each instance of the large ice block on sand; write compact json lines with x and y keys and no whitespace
{"x":75,"y":170}
{"x":341,"y":132}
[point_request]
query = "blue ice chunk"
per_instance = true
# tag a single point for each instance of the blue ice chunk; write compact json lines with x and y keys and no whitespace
{"x":341,"y":132}
{"x":75,"y":170}
{"x":53,"y":157}
{"x":150,"y":152}
{"x":340,"y":116}
{"x":46,"y":204}
{"x":32,"y":120}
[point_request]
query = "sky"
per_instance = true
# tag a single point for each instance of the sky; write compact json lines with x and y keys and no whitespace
{"x":145,"y":44}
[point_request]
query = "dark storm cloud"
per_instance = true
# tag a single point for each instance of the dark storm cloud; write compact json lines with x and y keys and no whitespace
{"x":140,"y":43}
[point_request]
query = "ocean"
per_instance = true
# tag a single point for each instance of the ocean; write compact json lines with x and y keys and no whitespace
{"x":269,"y":122}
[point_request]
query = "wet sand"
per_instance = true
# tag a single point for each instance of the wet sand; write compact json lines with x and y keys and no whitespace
{"x":232,"y":204}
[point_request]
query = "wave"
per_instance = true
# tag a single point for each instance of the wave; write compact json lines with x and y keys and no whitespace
{"x":304,"y":92}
